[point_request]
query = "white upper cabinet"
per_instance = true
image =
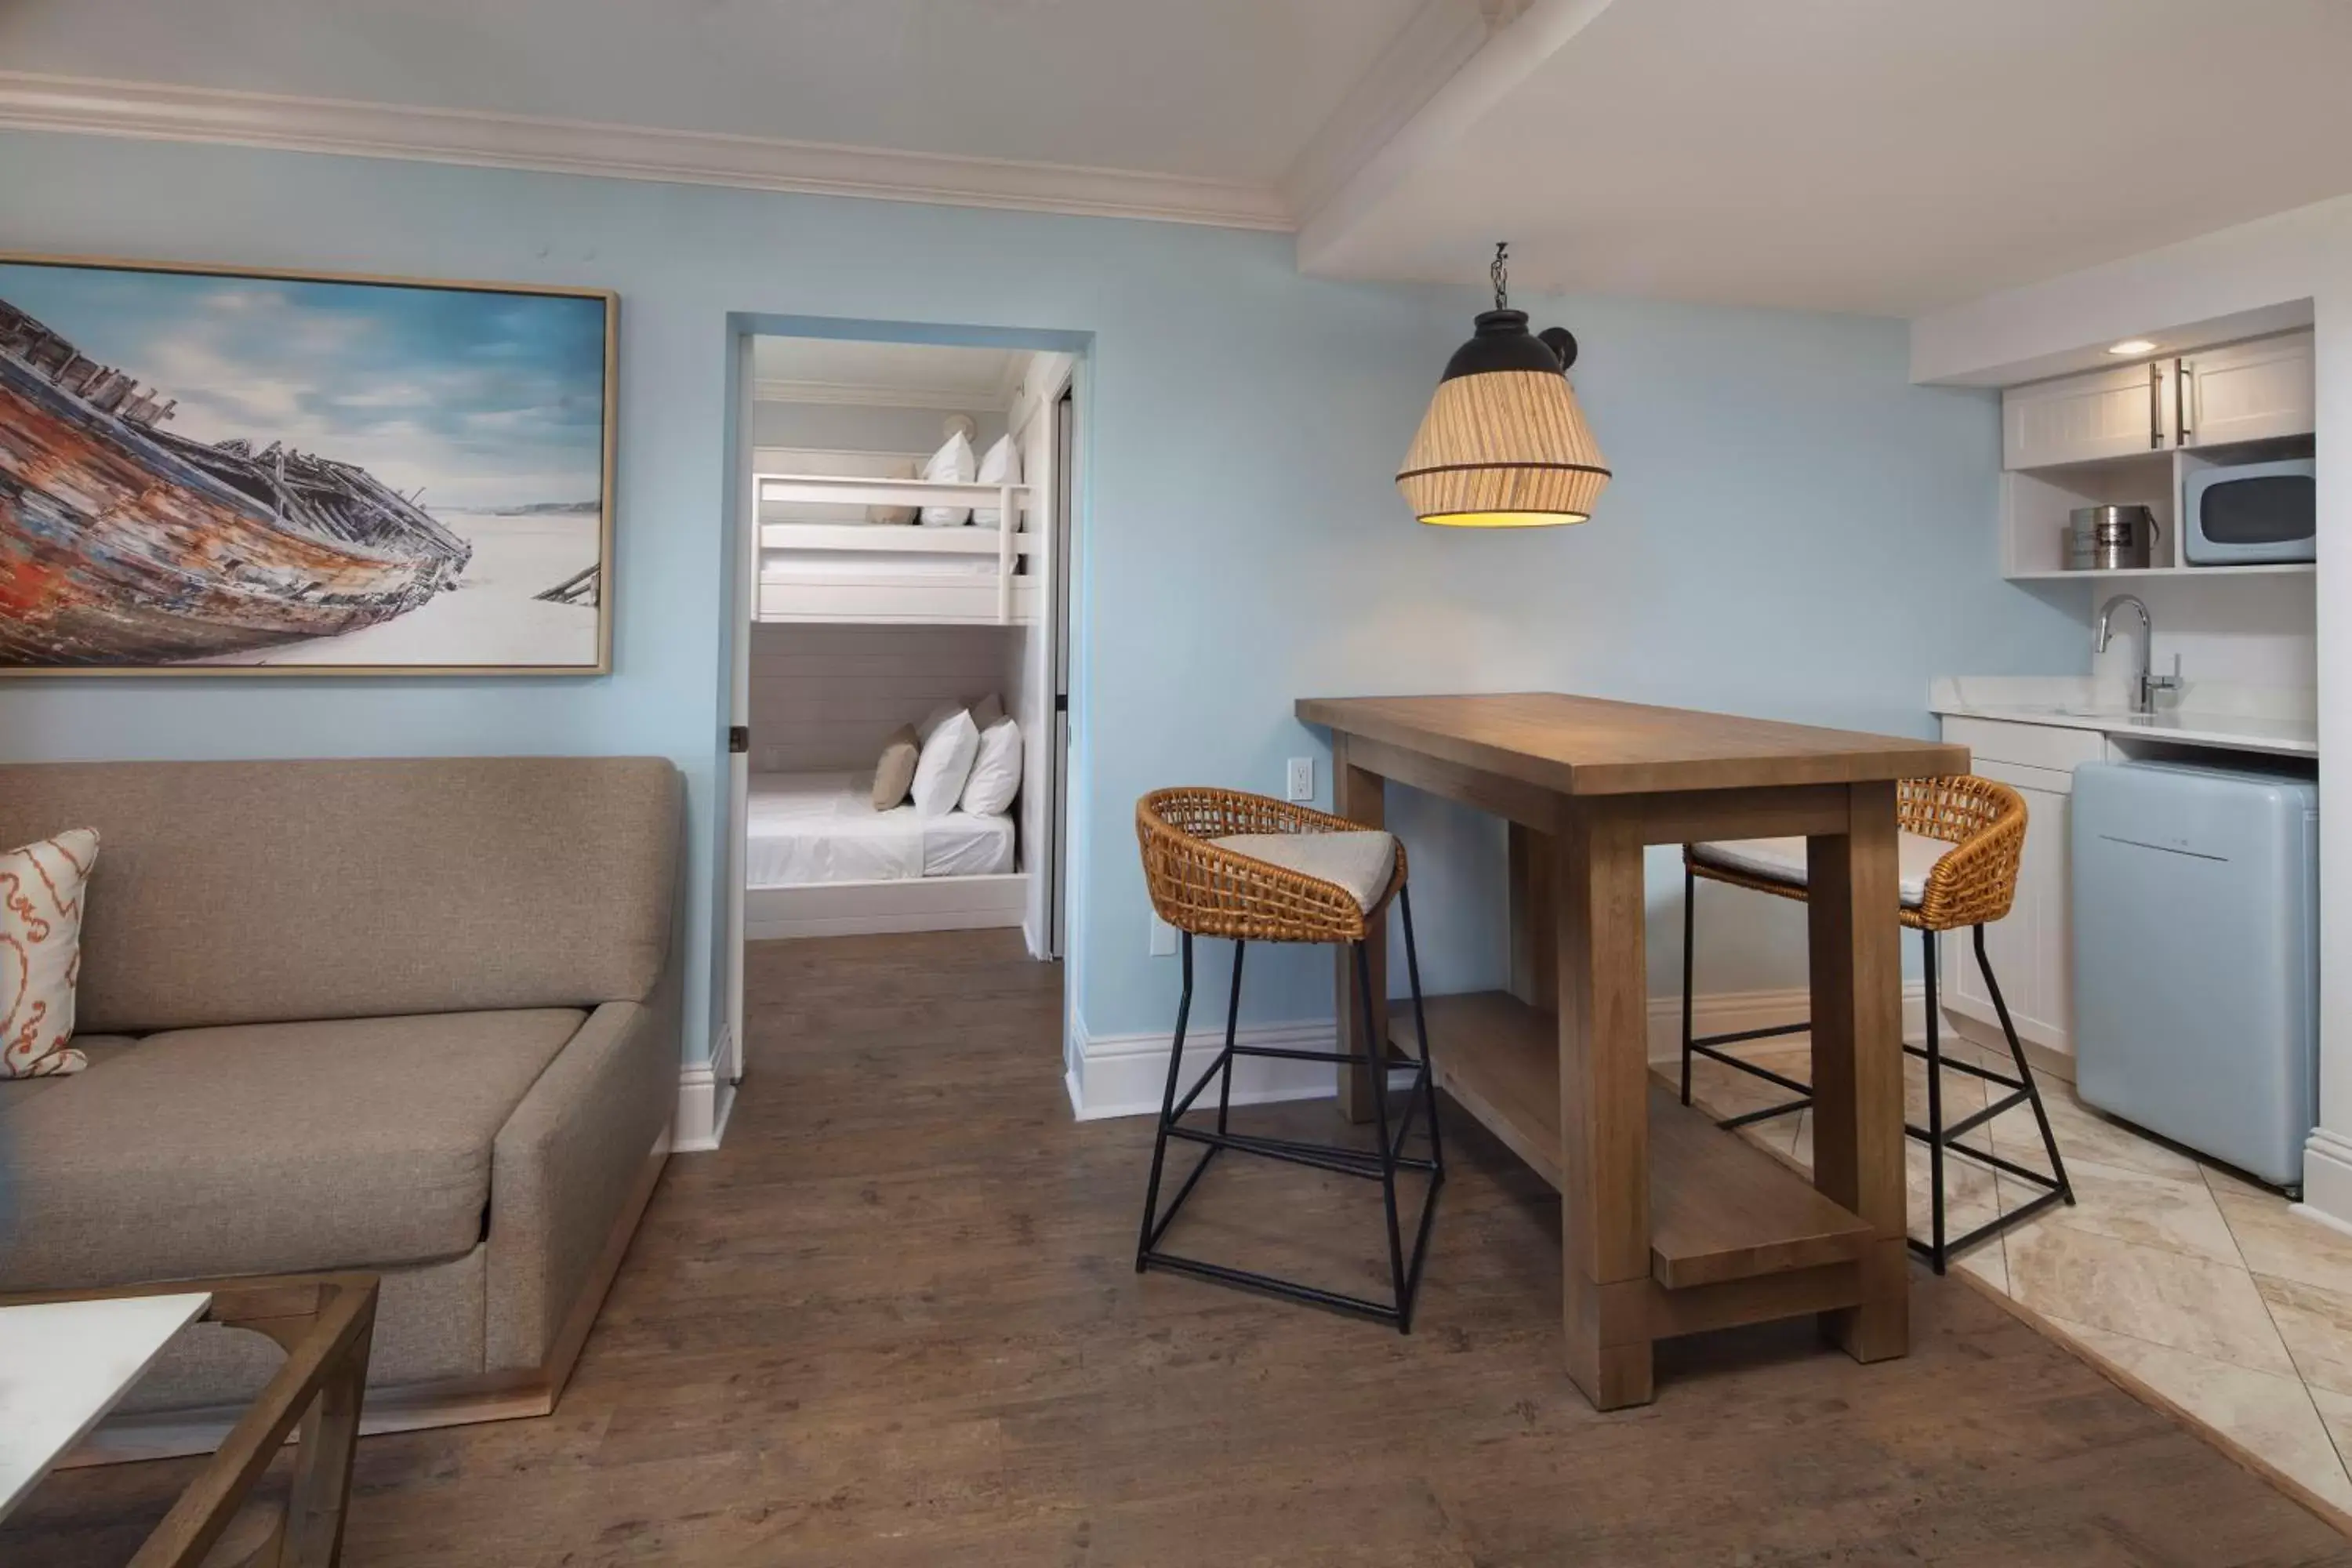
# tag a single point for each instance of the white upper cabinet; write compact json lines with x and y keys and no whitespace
{"x":2083,"y":418}
{"x":2247,"y":391}
{"x":2244,"y":392}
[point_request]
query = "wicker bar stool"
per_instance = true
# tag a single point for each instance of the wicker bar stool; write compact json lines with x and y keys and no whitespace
{"x":1960,"y":840}
{"x":1220,"y":863}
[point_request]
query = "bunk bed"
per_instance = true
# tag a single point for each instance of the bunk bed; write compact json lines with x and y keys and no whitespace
{"x":819,"y":860}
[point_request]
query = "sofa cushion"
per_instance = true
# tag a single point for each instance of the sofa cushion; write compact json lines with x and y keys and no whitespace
{"x":279,"y":892}
{"x":15,"y":1092}
{"x":270,"y":1148}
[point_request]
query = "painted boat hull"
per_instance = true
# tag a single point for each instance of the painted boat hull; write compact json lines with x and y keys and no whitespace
{"x":116,"y":549}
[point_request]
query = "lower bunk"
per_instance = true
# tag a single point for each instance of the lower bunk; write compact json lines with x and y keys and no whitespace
{"x":821,"y":861}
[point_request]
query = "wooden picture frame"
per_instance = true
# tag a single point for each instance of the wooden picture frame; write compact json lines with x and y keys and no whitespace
{"x":257,"y":539}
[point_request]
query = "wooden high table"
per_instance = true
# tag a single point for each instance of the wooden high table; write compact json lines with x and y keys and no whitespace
{"x":1668,"y":1225}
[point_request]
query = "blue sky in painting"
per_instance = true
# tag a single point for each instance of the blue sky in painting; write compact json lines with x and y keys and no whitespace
{"x":484,"y":400}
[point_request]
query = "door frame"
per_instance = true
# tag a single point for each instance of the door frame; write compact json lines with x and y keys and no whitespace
{"x":740,"y":576}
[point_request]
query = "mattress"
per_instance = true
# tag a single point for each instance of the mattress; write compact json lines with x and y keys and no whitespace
{"x":823,"y":827}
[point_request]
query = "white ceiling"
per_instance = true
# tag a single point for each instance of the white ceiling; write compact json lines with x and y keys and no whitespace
{"x":1222,"y":89}
{"x":1890,"y":156}
{"x":887,"y":375}
{"x":1868,"y":154}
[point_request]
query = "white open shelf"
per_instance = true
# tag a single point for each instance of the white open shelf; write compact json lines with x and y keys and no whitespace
{"x":2273,"y":569}
{"x":2035,"y":504}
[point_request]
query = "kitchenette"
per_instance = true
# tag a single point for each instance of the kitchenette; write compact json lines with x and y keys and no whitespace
{"x":2163,"y":948}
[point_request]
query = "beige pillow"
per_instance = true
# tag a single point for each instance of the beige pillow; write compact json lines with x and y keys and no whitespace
{"x":895,"y":773}
{"x":986,"y":712}
{"x":40,"y":953}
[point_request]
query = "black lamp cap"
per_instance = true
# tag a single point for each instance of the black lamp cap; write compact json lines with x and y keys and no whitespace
{"x":1504,"y":343}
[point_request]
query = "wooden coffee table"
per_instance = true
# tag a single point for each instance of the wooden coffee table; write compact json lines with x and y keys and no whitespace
{"x":67,"y":1357}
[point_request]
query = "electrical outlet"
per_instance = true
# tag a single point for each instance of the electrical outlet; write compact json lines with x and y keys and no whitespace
{"x":1302,"y":778}
{"x":1164,"y":938}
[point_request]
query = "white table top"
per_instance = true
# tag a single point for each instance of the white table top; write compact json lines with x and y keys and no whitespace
{"x":64,"y":1364}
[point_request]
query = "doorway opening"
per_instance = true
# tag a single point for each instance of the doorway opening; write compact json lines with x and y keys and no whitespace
{"x":903,"y":617}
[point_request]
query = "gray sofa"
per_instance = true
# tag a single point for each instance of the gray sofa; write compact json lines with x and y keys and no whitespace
{"x":414,"y":1016}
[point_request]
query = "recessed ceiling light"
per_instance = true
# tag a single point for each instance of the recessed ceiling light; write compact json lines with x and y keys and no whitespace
{"x":2131,"y":346}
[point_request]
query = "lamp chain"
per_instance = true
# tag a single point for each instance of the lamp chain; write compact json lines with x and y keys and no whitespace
{"x":1501,"y":273}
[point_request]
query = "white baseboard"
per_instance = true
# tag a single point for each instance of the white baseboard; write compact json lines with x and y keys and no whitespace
{"x":1125,"y":1074}
{"x":2327,"y":1178}
{"x":704,"y":1101}
{"x":1733,"y":1012}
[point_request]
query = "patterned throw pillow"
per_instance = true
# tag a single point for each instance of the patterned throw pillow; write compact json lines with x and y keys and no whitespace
{"x":40,"y":953}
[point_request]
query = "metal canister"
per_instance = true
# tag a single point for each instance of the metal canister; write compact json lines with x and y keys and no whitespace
{"x":2109,"y":538}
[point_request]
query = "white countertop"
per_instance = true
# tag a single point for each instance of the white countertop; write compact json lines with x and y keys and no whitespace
{"x":63,"y":1365}
{"x":2280,"y":723}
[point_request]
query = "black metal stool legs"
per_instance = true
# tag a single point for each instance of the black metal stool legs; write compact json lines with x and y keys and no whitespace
{"x":1168,"y":1098}
{"x":1711,"y":1046}
{"x":1381,"y":1163}
{"x":1938,"y":1137}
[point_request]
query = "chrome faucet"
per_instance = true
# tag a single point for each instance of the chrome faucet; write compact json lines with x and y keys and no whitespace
{"x":2146,"y":685}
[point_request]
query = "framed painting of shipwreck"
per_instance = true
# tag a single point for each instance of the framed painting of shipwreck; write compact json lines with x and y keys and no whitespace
{"x":219,"y":471}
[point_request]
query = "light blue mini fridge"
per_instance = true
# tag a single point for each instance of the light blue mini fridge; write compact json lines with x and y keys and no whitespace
{"x":2197,"y":956}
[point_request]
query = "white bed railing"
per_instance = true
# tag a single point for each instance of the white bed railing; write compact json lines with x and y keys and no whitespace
{"x":1011,"y":544}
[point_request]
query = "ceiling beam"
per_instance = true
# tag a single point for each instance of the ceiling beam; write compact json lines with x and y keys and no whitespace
{"x":1337,"y":187}
{"x":1437,"y":40}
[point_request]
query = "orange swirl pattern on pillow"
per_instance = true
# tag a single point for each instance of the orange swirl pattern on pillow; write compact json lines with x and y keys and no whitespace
{"x":40,"y":953}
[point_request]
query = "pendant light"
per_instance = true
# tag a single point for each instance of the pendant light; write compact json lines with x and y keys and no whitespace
{"x":1504,"y":443}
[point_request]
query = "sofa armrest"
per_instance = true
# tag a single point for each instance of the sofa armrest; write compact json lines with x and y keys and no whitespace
{"x":566,"y":1165}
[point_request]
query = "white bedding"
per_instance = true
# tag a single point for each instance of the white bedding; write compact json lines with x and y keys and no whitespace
{"x":823,"y":827}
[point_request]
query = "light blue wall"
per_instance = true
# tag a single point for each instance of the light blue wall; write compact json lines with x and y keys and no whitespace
{"x":1796,"y":530}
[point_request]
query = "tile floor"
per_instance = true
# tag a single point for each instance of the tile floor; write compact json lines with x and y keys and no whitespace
{"x":2201,"y":1285}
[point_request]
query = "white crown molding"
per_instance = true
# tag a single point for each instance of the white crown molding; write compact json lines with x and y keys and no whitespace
{"x":860,"y":394}
{"x":156,"y":111}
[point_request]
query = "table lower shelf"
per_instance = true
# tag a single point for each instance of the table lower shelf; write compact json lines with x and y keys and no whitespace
{"x":1720,"y":1208}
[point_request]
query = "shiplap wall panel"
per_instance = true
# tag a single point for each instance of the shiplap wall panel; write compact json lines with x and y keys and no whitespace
{"x":825,"y":697}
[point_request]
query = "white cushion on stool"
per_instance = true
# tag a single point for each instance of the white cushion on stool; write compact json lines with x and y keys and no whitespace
{"x":1360,"y":861}
{"x":1783,"y":860}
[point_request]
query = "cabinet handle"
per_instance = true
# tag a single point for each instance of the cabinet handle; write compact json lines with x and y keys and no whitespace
{"x":2155,"y":406}
{"x":2180,"y":386}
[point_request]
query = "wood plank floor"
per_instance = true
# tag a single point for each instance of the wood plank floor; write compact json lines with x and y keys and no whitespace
{"x":894,"y":1322}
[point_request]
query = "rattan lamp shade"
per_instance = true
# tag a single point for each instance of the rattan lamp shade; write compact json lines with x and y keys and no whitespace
{"x":1504,"y":443}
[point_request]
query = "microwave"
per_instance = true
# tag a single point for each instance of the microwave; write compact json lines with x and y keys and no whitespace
{"x":2243,"y":512}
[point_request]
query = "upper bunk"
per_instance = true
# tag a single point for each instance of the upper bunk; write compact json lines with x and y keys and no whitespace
{"x":820,"y":560}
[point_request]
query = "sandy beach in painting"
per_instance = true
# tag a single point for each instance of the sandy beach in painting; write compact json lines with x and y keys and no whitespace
{"x":491,"y":618}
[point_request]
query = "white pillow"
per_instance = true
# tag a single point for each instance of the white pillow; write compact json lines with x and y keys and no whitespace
{"x":995,"y":771}
{"x":945,"y":764}
{"x":1001,"y":466}
{"x":40,"y":932}
{"x":952,"y":464}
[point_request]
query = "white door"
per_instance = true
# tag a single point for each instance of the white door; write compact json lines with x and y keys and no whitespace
{"x":2032,"y":951}
{"x":2248,"y":391}
{"x":2082,"y":418}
